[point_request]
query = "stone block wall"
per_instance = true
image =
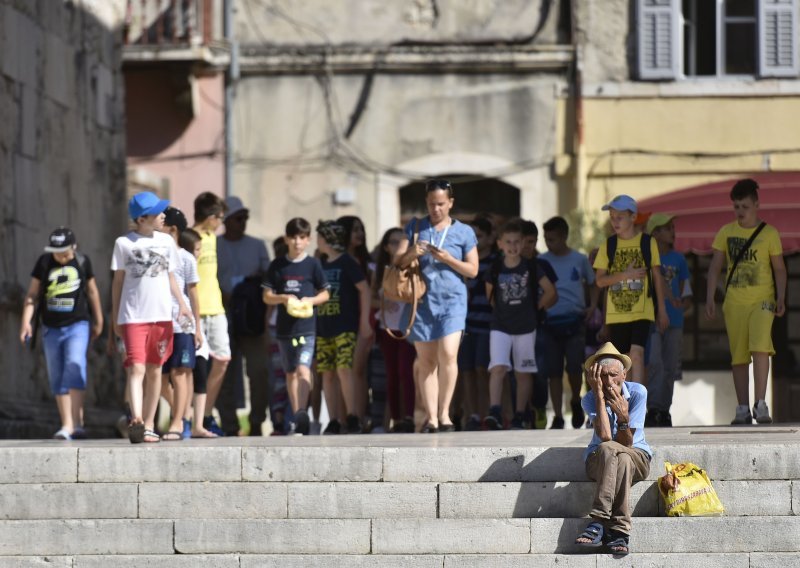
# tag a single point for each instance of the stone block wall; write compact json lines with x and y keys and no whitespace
{"x":62,"y":162}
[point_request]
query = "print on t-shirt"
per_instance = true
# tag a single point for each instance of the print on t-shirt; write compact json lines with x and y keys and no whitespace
{"x":626,"y":294}
{"x":146,"y":262}
{"x":513,"y":287}
{"x":62,"y":281}
{"x":747,"y":270}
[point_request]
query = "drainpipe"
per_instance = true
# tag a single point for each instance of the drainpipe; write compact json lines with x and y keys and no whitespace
{"x":231,"y":77}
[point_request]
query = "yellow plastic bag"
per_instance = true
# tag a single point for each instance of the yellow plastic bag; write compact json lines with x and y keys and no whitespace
{"x":687,"y":492}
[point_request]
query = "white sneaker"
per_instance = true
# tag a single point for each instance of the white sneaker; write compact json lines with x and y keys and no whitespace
{"x":743,"y":415}
{"x":761,"y":412}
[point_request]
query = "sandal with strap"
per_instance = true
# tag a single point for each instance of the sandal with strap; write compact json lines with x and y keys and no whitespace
{"x":150,"y":436}
{"x":594,"y":533}
{"x":620,"y":545}
{"x":136,"y":433}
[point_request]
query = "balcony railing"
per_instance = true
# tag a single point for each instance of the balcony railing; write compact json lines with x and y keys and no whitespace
{"x":170,"y":23}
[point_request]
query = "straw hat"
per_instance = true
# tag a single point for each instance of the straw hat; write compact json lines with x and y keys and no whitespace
{"x":608,"y":350}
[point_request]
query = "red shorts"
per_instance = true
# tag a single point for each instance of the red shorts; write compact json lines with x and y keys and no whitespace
{"x":147,"y":343}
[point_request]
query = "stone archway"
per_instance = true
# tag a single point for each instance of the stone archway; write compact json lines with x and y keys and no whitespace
{"x":538,"y":199}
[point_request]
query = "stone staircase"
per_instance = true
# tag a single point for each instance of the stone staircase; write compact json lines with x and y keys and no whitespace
{"x":467,"y":499}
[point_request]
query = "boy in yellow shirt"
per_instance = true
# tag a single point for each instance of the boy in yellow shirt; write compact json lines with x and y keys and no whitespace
{"x":209,"y":211}
{"x":753,"y":298}
{"x":625,"y":266}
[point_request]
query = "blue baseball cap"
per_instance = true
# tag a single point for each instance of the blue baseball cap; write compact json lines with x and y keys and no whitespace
{"x":622,"y":203}
{"x":146,"y":203}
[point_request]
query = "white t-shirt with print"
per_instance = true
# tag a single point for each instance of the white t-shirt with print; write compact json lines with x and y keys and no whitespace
{"x":147,"y":262}
{"x":185,"y":274}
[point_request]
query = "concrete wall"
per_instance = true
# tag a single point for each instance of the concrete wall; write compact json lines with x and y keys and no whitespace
{"x":291,"y":152}
{"x":387,"y":22}
{"x":62,"y":162}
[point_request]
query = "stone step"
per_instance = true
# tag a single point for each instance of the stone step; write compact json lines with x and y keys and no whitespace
{"x":359,"y":500}
{"x":728,"y":454}
{"x":671,"y":560}
{"x":365,"y":537}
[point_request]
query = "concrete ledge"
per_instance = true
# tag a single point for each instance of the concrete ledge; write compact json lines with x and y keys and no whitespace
{"x":770,"y":560}
{"x":451,"y":536}
{"x":36,"y":562}
{"x":39,"y":465}
{"x":160,"y":561}
{"x":754,"y":498}
{"x":533,"y":499}
{"x":161,"y":463}
{"x":362,"y":500}
{"x":344,"y":561}
{"x":311,"y":463}
{"x":68,"y":501}
{"x":295,"y":536}
{"x":674,"y":560}
{"x":520,"y":561}
{"x":680,"y":535}
{"x":86,"y":537}
{"x":727,"y":460}
{"x":219,"y":500}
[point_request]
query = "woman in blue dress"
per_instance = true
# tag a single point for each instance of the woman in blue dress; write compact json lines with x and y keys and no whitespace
{"x":447,"y":253}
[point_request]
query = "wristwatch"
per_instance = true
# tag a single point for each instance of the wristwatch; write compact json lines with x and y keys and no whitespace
{"x":622,"y":426}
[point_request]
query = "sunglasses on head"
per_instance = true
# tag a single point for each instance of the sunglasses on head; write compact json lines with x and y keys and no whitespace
{"x":434,"y":184}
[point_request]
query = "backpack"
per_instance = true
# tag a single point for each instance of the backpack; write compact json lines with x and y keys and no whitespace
{"x":37,"y":316}
{"x":644,"y":244}
{"x":248,"y":310}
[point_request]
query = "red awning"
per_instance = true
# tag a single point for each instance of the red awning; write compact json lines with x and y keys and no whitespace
{"x":701,"y":210}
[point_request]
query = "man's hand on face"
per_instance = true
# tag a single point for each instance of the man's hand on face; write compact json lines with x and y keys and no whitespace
{"x":616,"y":402}
{"x":594,"y":380}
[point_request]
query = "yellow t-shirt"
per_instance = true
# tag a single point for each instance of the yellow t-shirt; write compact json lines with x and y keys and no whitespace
{"x":752,"y":282}
{"x":208,"y":292}
{"x":629,"y":300}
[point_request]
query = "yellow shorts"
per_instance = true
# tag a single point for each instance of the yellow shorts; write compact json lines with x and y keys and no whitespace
{"x":749,"y":329}
{"x":336,"y":352}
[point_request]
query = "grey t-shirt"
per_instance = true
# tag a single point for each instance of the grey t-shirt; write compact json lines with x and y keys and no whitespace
{"x":236,"y":260}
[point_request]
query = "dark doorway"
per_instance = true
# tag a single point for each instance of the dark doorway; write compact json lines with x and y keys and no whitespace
{"x":473,"y":196}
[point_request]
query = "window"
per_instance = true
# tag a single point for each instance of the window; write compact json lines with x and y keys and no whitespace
{"x":717,"y":38}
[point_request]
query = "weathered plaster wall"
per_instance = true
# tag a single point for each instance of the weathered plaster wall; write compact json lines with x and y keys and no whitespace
{"x":62,"y":162}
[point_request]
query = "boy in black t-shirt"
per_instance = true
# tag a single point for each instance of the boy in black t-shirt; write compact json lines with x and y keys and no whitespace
{"x":338,"y":320}
{"x":511,"y":287}
{"x":296,"y":283}
{"x":63,"y":286}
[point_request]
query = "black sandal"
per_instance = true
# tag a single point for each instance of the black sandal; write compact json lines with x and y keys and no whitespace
{"x":619,"y":545}
{"x":594,"y":533}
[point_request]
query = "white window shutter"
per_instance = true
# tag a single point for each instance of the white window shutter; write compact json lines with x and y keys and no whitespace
{"x":777,"y":38}
{"x":659,"y":38}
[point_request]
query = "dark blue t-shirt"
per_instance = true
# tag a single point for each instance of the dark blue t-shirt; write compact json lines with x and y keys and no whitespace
{"x":515,"y":296}
{"x":302,"y":278}
{"x":340,"y":314}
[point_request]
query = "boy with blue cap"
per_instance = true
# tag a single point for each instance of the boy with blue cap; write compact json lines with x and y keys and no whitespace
{"x":143,"y":263}
{"x":625,"y":266}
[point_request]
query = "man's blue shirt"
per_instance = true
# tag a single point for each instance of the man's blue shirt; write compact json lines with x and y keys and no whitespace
{"x":636,"y":395}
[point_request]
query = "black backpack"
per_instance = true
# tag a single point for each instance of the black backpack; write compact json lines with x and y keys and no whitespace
{"x":248,"y":310}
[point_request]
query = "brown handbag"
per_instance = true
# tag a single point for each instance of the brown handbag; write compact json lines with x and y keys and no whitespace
{"x":403,"y":284}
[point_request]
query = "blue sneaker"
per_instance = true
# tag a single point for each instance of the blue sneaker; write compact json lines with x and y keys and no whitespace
{"x":210,"y":424}
{"x":187,"y":429}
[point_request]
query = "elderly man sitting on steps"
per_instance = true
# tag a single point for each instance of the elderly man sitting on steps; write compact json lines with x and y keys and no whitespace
{"x":618,"y":455}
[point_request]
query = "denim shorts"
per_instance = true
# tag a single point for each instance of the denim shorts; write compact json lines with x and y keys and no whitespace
{"x":183,"y":353}
{"x":474,"y":351}
{"x":296,"y":351}
{"x":65,"y":355}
